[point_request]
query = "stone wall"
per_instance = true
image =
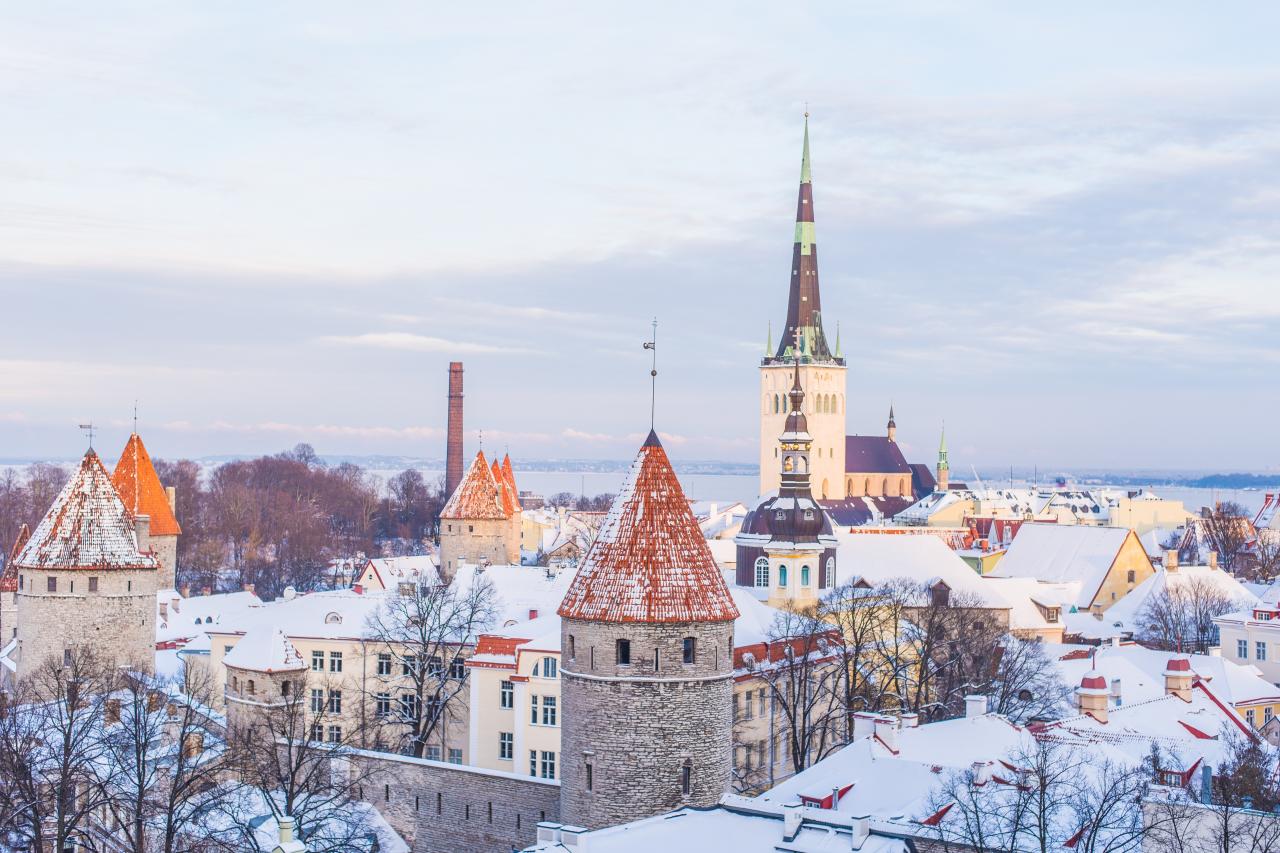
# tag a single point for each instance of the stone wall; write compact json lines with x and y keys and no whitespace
{"x":629,"y":731}
{"x":118,"y":620}
{"x":471,"y":540}
{"x":445,"y":808}
{"x":166,"y":551}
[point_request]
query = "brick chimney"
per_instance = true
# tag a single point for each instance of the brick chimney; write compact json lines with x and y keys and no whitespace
{"x":1177,"y":678}
{"x":453,"y":442}
{"x":1092,"y":695}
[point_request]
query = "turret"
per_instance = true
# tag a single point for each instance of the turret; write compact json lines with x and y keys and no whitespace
{"x":892,"y":428}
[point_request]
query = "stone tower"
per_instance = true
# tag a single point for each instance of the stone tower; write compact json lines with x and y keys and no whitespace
{"x":786,"y":544}
{"x":139,"y":486}
{"x":453,"y":437}
{"x":87,"y":577}
{"x":822,"y":371}
{"x":9,"y":588}
{"x":646,"y":660}
{"x":944,"y":467}
{"x":476,"y":524}
{"x":265,"y":673}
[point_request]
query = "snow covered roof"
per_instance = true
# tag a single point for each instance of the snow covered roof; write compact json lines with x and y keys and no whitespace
{"x":882,"y":557}
{"x":139,"y":486}
{"x":1058,"y":553}
{"x":1023,"y":595}
{"x":649,"y":562}
{"x":182,"y":618}
{"x":1122,"y":617}
{"x":87,"y":527}
{"x":389,"y":571}
{"x":9,"y":580}
{"x":265,"y":649}
{"x":477,"y":496}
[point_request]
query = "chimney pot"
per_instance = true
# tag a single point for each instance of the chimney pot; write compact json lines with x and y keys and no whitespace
{"x":1171,"y":561}
{"x":887,"y":732}
{"x":975,"y":706}
{"x":533,"y":613}
{"x":791,"y":818}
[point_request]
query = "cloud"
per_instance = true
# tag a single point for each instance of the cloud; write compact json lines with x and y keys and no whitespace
{"x":416,"y":343}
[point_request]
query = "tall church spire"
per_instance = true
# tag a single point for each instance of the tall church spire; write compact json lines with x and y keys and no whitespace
{"x":804,"y":304}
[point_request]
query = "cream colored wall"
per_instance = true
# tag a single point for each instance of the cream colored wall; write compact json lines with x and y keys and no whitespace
{"x":1144,"y":516}
{"x":795,"y":594}
{"x":826,"y":462}
{"x":490,"y":718}
{"x":952,"y":515}
{"x":751,"y":731}
{"x":1253,"y":633}
{"x":1116,"y":585}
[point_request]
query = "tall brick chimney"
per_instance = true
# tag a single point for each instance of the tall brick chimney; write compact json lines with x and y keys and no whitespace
{"x":453,"y":446}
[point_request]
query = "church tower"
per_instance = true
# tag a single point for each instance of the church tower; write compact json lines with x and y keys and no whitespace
{"x":944,"y":467}
{"x":646,"y":660}
{"x":822,"y":372}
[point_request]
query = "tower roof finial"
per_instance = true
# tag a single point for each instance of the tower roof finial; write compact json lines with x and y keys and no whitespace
{"x":652,"y":345}
{"x":805,"y":176}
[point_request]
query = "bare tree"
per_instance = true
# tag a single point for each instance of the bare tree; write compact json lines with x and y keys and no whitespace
{"x":1226,"y":529}
{"x":1027,"y":684}
{"x":803,"y":679}
{"x":421,"y":634}
{"x":864,"y":618}
{"x":1180,"y":617}
{"x":1106,"y":806}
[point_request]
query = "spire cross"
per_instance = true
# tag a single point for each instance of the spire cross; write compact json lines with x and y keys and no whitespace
{"x":88,"y":430}
{"x":652,"y":344}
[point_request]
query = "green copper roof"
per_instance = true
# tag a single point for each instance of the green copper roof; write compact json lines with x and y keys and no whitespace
{"x":804,"y":161}
{"x":942,"y":449}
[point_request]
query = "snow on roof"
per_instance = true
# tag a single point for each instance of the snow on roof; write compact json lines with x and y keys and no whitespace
{"x":417,"y":568}
{"x":1059,"y":553}
{"x":649,"y":562}
{"x":87,"y":527}
{"x":477,"y":496}
{"x":878,"y":559}
{"x":1123,"y":616}
{"x":755,"y":618}
{"x":9,"y":580}
{"x":240,"y":805}
{"x":265,"y":649}
{"x":1022,"y":595}
{"x":139,"y":486}
{"x":190,"y":617}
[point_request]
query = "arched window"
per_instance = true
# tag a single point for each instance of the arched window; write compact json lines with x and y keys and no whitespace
{"x":762,"y":571}
{"x":804,"y":576}
{"x":252,"y":688}
{"x":548,"y":667}
{"x":777,"y":404}
{"x":866,"y":490}
{"x":782,"y":575}
{"x":831,"y":572}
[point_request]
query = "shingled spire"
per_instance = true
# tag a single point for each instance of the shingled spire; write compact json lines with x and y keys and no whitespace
{"x":804,"y":305}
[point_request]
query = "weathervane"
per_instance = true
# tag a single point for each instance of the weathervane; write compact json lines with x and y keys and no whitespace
{"x":652,"y":344}
{"x":88,"y":429}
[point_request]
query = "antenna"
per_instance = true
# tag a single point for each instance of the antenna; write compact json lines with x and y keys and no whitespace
{"x":652,"y":344}
{"x":481,"y":439}
{"x":135,"y":416}
{"x":88,"y":430}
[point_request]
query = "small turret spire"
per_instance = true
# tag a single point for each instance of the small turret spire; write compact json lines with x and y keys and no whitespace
{"x":805,"y":176}
{"x":892,"y":427}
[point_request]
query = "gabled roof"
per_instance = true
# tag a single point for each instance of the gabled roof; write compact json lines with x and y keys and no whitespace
{"x":649,"y":562}
{"x":88,"y":527}
{"x":140,"y":488}
{"x":873,"y":454}
{"x":9,"y":580}
{"x":1060,"y":553}
{"x":477,"y":496}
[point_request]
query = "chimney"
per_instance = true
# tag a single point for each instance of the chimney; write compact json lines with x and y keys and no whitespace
{"x":574,"y":837}
{"x":248,"y":587}
{"x":975,"y":706}
{"x":172,"y":494}
{"x":1206,"y":783}
{"x":910,"y":720}
{"x":1213,"y":559}
{"x":142,"y":531}
{"x":1171,"y":561}
{"x":453,"y":441}
{"x":887,"y":732}
{"x":864,"y":725}
{"x":791,"y":819}
{"x":1177,"y":678}
{"x":287,"y":843}
{"x":1115,"y":692}
{"x":1092,"y":695}
{"x":861,"y":827}
{"x":533,"y":613}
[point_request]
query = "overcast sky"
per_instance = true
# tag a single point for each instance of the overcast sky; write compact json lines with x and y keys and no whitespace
{"x":1056,"y":228}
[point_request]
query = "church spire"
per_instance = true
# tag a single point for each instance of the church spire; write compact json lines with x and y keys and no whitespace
{"x":892,"y":426}
{"x":804,"y":305}
{"x":944,"y":467}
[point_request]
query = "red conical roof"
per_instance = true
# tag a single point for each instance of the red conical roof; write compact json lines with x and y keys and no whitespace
{"x":477,"y":496}
{"x":139,"y":486}
{"x":504,"y":489}
{"x":9,"y":580}
{"x":88,"y":527}
{"x":511,"y":481}
{"x":649,"y":562}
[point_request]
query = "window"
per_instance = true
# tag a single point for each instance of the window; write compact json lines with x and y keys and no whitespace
{"x":782,"y":576}
{"x":1248,"y":715}
{"x":433,"y":753}
{"x":548,"y":766}
{"x":533,"y":762}
{"x":455,"y":755}
{"x":831,"y":572}
{"x":382,"y":705}
{"x":1266,"y":714}
{"x":548,"y":667}
{"x":1242,"y":649}
{"x":435,"y":666}
{"x":590,"y":781}
{"x":748,"y":711}
{"x":335,"y":701}
{"x":317,"y":701}
{"x":317,"y":731}
{"x":93,"y":584}
{"x":409,"y":666}
{"x":804,"y":576}
{"x":762,"y":571}
{"x":52,"y":583}
{"x":690,"y":649}
{"x":409,"y":706}
{"x":384,"y":664}
{"x":573,"y":651}
{"x":335,"y":661}
{"x":286,"y":687}
{"x":737,"y":709}
{"x":458,"y":668}
{"x":624,"y":653}
{"x":252,"y":687}
{"x":686,"y":777}
{"x":548,"y":710}
{"x":506,"y":743}
{"x":317,"y":661}
{"x":657,"y":660}
{"x":506,"y":695}
{"x":761,"y":702}
{"x":533,"y":710}
{"x":1261,"y":649}
{"x":335,"y":734}
{"x":1132,"y":576}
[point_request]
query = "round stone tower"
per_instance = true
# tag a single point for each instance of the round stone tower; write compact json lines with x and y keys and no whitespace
{"x":646,"y":660}
{"x":265,"y":673}
{"x":87,"y":578}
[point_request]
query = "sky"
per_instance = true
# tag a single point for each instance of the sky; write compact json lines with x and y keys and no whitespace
{"x":1057,"y":229}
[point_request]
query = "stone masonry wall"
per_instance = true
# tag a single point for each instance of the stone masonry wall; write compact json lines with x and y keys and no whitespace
{"x":117,"y":621}
{"x":166,"y":550}
{"x":470,"y":540}
{"x":445,"y":808}
{"x":636,"y":727}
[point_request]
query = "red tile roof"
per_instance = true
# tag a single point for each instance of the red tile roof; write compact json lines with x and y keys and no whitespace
{"x":649,"y":562}
{"x":504,"y":489}
{"x":88,"y":527}
{"x":477,"y":496}
{"x":511,"y":480}
{"x":9,"y":580}
{"x":139,"y":486}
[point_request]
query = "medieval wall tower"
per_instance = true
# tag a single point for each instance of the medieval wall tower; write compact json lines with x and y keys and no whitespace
{"x":646,"y":660}
{"x":821,"y":371}
{"x":9,"y":588}
{"x":481,"y":521}
{"x":265,"y":675}
{"x":87,"y":577}
{"x":139,"y":486}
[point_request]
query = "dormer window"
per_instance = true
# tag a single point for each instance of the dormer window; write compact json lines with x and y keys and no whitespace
{"x":808,"y":515}
{"x":333,"y":619}
{"x":780,"y":515}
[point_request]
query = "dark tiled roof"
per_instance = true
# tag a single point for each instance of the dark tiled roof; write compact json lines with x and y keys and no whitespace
{"x":873,"y":454}
{"x":922,"y":481}
{"x":853,"y":512}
